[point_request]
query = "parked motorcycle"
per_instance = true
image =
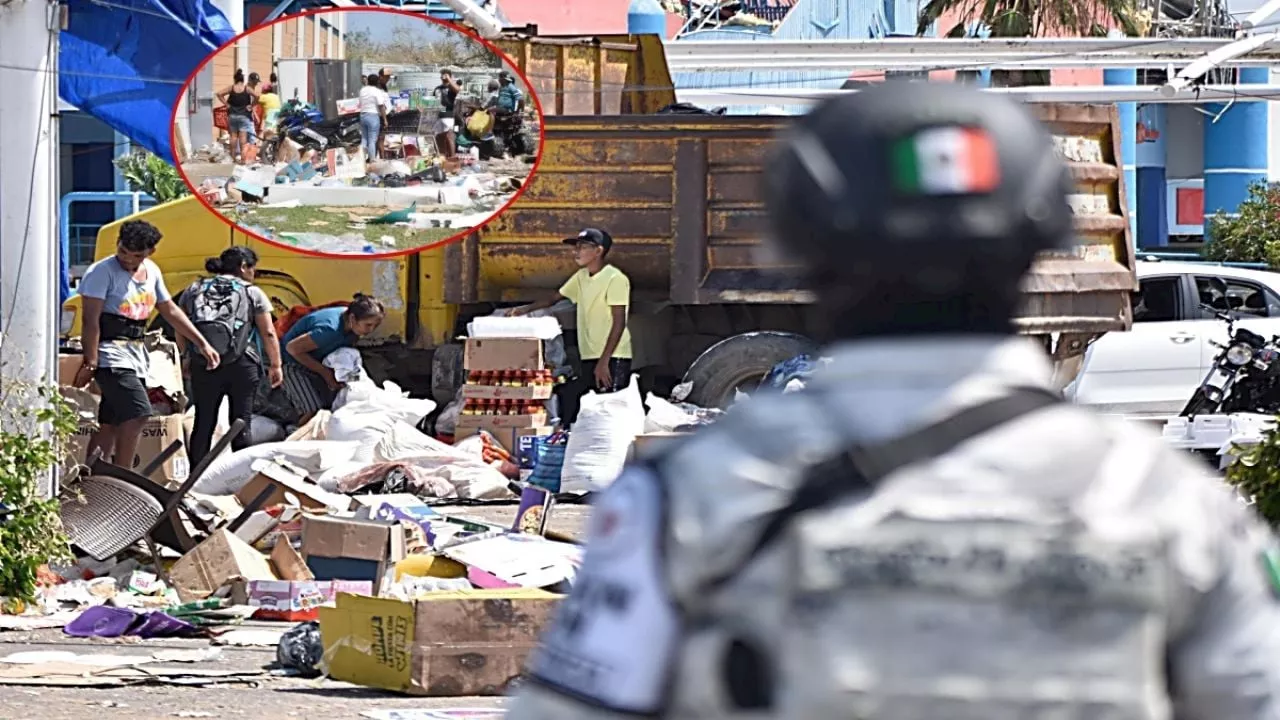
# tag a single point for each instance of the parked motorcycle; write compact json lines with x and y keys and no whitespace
{"x":1245,"y":376}
{"x":305,"y":125}
{"x":508,"y":128}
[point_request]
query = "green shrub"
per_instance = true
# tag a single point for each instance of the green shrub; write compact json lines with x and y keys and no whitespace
{"x":1256,"y":474}
{"x":36,"y":425}
{"x":1251,"y":236}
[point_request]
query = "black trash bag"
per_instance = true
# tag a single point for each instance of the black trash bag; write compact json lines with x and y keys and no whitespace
{"x":395,"y":180}
{"x":301,"y":649}
{"x":435,"y":174}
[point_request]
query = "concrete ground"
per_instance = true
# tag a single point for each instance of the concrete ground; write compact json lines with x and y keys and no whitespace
{"x":267,"y":697}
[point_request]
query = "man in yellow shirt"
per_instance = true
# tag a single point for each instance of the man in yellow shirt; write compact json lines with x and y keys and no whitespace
{"x":602,"y":294}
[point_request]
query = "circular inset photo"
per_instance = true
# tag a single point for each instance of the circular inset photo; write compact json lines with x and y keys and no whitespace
{"x":357,"y":131}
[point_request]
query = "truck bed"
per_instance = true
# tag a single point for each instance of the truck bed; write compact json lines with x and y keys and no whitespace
{"x":680,"y":195}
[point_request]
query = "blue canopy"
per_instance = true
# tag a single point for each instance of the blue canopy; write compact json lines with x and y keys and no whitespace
{"x":124,"y":61}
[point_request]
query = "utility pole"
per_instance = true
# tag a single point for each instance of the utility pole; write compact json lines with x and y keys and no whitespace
{"x":29,"y":310}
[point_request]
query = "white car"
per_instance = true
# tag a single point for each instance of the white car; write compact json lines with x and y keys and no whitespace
{"x":1153,"y":369}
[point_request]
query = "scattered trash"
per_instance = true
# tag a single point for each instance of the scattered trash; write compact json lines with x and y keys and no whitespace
{"x":327,"y":541}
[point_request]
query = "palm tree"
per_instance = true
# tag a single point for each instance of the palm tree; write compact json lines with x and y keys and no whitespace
{"x":1037,"y":18}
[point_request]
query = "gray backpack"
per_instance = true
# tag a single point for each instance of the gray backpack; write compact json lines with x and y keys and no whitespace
{"x":221,"y":310}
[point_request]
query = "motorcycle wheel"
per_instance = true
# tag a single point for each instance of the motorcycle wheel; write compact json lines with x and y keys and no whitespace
{"x":1199,"y":404}
{"x":518,"y":145}
{"x":490,"y":149}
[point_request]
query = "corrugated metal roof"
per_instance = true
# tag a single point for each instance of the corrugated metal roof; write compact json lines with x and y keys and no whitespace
{"x":808,"y":20}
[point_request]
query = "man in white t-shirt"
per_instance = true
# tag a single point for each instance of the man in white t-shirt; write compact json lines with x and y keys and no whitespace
{"x":374,"y":103}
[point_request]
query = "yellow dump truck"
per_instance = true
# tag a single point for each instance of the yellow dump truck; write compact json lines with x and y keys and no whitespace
{"x":679,"y":194}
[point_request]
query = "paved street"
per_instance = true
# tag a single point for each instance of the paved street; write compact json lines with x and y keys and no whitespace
{"x":268,"y":699}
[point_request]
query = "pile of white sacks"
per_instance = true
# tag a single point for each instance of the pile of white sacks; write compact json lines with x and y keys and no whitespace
{"x":369,"y":425}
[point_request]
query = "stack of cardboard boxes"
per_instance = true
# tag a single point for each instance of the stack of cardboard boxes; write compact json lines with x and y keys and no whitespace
{"x":506,"y":392}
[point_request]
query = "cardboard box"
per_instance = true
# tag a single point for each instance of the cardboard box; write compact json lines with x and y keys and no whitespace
{"x":220,"y":560}
{"x":475,"y":391}
{"x":298,"y":600}
{"x":651,"y":442}
{"x":455,"y":644}
{"x":506,"y":429}
{"x":503,"y":354}
{"x":350,"y":549}
{"x":287,"y":477}
{"x":157,"y":433}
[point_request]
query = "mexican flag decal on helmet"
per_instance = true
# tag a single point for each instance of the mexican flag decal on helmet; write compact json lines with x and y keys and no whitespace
{"x":945,"y":161}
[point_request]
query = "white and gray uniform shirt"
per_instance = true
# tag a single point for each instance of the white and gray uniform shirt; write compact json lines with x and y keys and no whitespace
{"x":1057,"y":566}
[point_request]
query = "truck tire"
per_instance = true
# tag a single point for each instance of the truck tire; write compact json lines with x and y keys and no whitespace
{"x":447,"y":374}
{"x":739,"y":363}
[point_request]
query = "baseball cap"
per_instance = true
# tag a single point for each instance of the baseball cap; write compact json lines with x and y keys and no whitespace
{"x":592,"y":235}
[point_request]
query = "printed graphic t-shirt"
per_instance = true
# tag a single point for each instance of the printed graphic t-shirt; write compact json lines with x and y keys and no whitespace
{"x":122,"y":295}
{"x":325,"y":328}
{"x":595,"y":295}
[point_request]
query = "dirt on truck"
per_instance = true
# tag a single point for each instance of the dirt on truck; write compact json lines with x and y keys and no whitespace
{"x":681,"y":196}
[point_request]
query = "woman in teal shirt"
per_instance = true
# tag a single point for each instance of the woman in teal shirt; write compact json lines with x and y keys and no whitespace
{"x":309,"y":384}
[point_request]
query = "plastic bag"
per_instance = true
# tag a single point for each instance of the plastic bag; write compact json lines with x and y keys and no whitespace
{"x":263,"y":429}
{"x":389,"y":399}
{"x":346,"y":363}
{"x":665,"y":416}
{"x":601,"y":438}
{"x":301,"y":649}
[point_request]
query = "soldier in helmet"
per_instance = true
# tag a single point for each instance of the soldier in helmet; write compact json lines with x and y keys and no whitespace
{"x":927,"y":532}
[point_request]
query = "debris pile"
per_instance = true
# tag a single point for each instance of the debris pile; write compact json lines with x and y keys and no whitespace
{"x":339,"y":202}
{"x":359,"y":546}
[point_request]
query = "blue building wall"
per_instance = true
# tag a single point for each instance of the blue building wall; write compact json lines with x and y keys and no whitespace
{"x":1235,"y":149}
{"x":1152,"y":188}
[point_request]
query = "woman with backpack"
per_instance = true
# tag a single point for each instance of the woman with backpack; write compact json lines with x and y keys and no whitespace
{"x":310,"y":385}
{"x":227,"y":308}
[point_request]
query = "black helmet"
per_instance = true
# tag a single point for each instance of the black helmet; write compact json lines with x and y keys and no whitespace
{"x":505,"y":77}
{"x":918,"y":189}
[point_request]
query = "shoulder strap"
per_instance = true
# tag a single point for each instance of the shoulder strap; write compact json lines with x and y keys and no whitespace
{"x":862,"y":467}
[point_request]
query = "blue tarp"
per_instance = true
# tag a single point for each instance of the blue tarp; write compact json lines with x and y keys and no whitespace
{"x":124,"y":61}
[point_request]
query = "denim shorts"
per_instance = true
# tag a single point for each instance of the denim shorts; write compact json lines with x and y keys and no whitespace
{"x":240,"y":124}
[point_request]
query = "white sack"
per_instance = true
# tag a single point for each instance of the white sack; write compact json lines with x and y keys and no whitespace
{"x":346,"y":363}
{"x":229,"y":473}
{"x":601,"y":439}
{"x":665,"y":416}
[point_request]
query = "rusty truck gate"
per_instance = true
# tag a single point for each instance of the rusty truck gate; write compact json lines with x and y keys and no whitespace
{"x":681,"y":196}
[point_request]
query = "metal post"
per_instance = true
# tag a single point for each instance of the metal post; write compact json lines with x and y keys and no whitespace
{"x":28,"y":192}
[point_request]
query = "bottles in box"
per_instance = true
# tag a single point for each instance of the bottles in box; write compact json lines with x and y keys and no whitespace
{"x":485,"y":406}
{"x":510,"y":378}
